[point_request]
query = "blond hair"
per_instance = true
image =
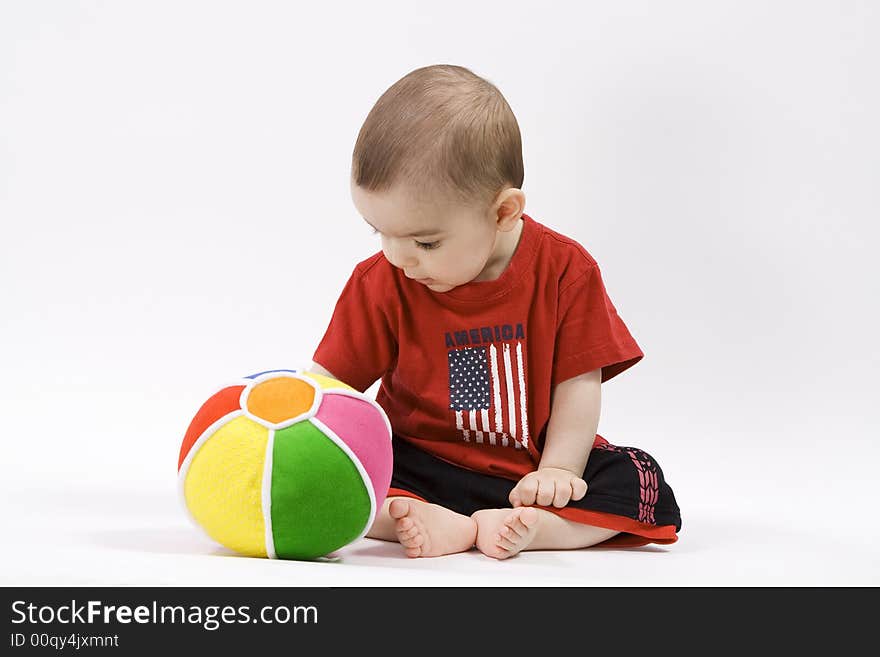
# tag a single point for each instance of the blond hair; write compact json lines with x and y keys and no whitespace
{"x":440,"y":129}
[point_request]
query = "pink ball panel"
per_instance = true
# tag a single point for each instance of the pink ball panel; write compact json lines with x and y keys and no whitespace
{"x":363,"y":429}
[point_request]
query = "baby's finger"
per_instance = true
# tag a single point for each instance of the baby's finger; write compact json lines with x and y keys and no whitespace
{"x":578,"y":488}
{"x":563,"y":494}
{"x":546,"y":492}
{"x":528,"y":490}
{"x":514,"y":498}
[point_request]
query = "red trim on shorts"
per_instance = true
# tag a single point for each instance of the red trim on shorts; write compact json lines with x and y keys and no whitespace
{"x":399,"y":492}
{"x":632,"y":532}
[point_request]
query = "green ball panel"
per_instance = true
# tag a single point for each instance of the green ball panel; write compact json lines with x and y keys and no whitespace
{"x":319,"y":500}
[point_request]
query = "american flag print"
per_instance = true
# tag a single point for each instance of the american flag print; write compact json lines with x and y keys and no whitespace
{"x":487,"y":392}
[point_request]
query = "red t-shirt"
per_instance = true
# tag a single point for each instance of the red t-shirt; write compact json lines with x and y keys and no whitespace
{"x":467,"y":374}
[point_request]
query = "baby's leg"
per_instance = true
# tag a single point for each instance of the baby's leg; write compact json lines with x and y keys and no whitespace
{"x":424,"y":530}
{"x":502,"y":533}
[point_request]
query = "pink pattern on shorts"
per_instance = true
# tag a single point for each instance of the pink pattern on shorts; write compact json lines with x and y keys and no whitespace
{"x":649,"y":488}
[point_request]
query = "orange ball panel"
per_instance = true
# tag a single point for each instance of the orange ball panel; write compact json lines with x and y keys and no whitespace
{"x":280,"y":399}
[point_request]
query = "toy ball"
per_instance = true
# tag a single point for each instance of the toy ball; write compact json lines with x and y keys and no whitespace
{"x":286,"y":464}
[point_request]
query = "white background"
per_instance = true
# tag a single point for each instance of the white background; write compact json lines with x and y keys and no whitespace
{"x":175,"y":213}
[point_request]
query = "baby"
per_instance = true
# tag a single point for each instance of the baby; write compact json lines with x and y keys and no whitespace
{"x":492,"y":335}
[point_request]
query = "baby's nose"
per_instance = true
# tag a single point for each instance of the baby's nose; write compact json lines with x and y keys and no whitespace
{"x":400,"y":259}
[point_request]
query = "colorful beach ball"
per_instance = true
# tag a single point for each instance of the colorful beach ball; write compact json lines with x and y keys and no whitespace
{"x":286,"y":464}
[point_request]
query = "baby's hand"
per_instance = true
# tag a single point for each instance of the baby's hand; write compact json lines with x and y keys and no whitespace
{"x":547,"y":486}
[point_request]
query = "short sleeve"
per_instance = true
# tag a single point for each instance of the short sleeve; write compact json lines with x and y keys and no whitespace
{"x":358,"y":346}
{"x":589,"y":332}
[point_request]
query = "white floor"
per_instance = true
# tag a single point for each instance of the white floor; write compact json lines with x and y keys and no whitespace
{"x":771,"y":515}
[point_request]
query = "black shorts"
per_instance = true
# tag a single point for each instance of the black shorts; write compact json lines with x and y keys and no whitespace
{"x":626,"y":491}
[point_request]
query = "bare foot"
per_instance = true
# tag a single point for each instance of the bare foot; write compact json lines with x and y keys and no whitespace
{"x":430,"y":530}
{"x":502,"y":533}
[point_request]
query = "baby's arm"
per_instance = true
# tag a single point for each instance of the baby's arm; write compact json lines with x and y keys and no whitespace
{"x":317,"y":369}
{"x":574,"y":419}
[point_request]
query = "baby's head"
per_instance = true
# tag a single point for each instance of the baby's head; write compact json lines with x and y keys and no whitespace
{"x":437,"y":171}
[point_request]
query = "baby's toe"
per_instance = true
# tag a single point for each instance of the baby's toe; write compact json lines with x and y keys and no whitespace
{"x":527,"y":518}
{"x":412,"y":542}
{"x":508,"y":532}
{"x":505,"y":543}
{"x":407,"y":531}
{"x":514,"y":527}
{"x":398,"y":509}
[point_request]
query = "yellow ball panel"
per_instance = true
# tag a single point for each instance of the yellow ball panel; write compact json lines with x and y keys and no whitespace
{"x":224,"y":486}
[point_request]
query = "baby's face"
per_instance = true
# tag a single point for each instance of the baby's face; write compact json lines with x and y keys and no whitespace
{"x":438,"y":244}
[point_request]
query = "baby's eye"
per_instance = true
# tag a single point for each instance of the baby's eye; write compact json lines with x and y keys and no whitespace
{"x":427,"y":246}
